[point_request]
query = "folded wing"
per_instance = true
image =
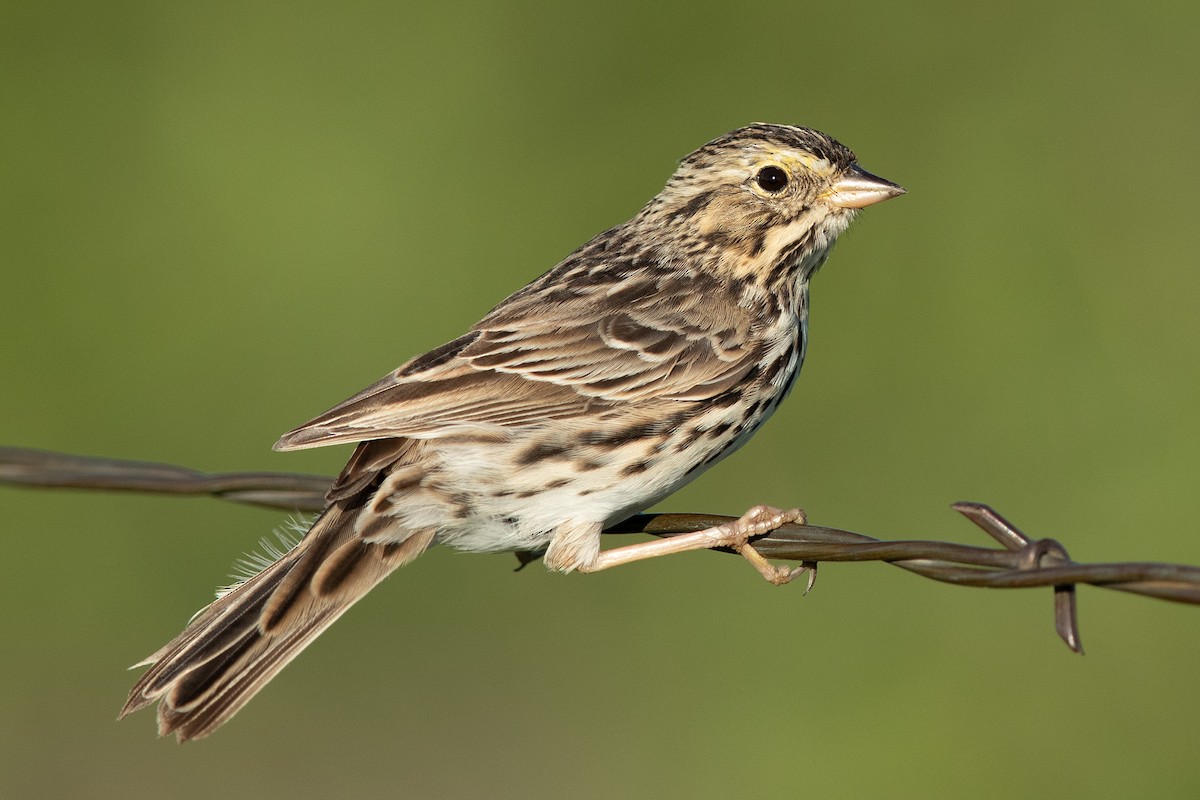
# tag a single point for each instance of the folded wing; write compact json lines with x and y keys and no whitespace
{"x":645,"y":341}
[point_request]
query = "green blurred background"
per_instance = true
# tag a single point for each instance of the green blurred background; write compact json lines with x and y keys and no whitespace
{"x":219,"y":219}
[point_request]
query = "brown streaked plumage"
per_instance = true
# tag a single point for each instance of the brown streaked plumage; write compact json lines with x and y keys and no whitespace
{"x":646,"y":356}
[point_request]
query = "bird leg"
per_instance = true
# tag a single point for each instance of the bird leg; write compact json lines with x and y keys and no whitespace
{"x":735,"y":535}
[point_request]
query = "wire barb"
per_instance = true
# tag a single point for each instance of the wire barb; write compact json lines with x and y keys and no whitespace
{"x":1022,"y":563}
{"x":1034,"y":555}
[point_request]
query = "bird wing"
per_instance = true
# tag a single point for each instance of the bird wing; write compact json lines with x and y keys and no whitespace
{"x":554,"y":352}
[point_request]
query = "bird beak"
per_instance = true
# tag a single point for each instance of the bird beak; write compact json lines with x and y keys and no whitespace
{"x":859,"y":189}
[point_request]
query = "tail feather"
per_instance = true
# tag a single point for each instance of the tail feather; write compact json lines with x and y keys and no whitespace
{"x":232,"y":648}
{"x":293,"y":584}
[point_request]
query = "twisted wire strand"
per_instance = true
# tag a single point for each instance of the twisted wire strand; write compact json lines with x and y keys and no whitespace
{"x":1021,"y":562}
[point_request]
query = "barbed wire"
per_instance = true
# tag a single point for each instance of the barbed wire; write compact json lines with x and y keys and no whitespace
{"x":1021,"y":563}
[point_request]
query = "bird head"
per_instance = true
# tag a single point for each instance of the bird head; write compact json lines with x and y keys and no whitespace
{"x":765,"y":200}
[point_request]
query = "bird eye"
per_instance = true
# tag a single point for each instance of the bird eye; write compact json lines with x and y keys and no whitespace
{"x":771,"y":179}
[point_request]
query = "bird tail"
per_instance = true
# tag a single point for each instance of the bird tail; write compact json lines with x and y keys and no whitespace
{"x":233,"y":647}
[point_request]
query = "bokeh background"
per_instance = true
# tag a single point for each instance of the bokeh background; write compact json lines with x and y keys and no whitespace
{"x":219,"y":219}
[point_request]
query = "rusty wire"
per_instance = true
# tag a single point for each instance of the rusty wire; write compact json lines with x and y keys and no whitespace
{"x":1022,"y":563}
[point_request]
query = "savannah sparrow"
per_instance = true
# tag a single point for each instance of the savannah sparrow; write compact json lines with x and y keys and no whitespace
{"x":649,"y":354}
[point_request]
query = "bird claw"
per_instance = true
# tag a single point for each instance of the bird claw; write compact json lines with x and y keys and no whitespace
{"x":756,"y":522}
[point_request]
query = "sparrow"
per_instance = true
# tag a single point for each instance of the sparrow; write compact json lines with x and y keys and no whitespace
{"x":646,"y":356}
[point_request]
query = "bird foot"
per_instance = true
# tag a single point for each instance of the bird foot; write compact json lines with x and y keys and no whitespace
{"x":764,"y":519}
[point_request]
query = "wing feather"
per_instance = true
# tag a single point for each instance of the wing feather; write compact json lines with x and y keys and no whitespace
{"x":533,"y":360}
